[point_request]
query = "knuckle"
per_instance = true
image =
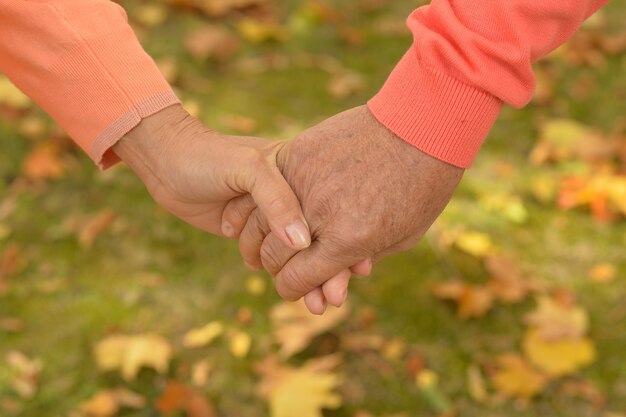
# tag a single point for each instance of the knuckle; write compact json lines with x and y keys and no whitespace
{"x":292,"y":285}
{"x":270,"y":259}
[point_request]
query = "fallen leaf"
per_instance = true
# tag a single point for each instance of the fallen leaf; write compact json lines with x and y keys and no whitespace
{"x":257,"y":31}
{"x":11,"y":324}
{"x":507,"y":283}
{"x":255,"y":285}
{"x":427,"y":382}
{"x":11,"y":96}
{"x":516,"y":378}
{"x":93,"y":227}
{"x":151,"y":15}
{"x":211,"y":41}
{"x":129,"y":354}
{"x":203,"y":336}
{"x":345,"y":83}
{"x":476,"y":244}
{"x":602,"y":272}
{"x":44,"y":162}
{"x":180,"y":397}
{"x":12,"y":260}
{"x":558,"y":358}
{"x":472,"y":300}
{"x":555,"y":321}
{"x":294,"y":326}
{"x":107,"y":403}
{"x":200,"y":372}
{"x":303,"y":391}
{"x":476,"y":384}
{"x":240,"y":343}
{"x":25,"y":373}
{"x":240,"y":124}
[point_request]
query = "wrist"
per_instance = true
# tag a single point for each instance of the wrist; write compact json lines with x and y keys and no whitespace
{"x":148,"y":146}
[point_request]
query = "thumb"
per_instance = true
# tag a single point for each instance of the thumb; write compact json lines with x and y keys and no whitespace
{"x":281,"y":207}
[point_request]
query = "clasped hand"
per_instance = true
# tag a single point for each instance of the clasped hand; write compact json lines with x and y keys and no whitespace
{"x":365,"y":194}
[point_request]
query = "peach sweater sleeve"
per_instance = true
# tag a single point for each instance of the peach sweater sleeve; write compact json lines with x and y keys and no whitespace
{"x":81,"y":62}
{"x":468,"y":58}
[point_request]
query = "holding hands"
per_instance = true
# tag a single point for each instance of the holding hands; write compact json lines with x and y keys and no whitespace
{"x":365,"y":194}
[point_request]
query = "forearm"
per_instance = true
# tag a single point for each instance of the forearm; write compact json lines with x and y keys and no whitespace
{"x":467,"y":59}
{"x":81,"y":62}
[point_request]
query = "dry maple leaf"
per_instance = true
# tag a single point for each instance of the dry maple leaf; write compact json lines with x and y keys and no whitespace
{"x":211,"y":41}
{"x":472,"y":300}
{"x":516,"y":378}
{"x":294,"y":326}
{"x":180,"y":397}
{"x":93,"y":227}
{"x":44,"y":162}
{"x":507,"y":283}
{"x":555,"y":321}
{"x":301,"y":392}
{"x":558,"y":358}
{"x":107,"y":403}
{"x":129,"y":354}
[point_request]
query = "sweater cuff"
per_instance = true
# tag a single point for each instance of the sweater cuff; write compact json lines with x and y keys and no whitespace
{"x":434,"y":112}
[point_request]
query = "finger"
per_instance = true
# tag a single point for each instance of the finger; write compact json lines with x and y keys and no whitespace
{"x":281,"y":207}
{"x":336,"y":289}
{"x":363,"y":268}
{"x":251,"y":239}
{"x":310,"y":268}
{"x":274,"y":254}
{"x":235,"y":215}
{"x":315,"y":301}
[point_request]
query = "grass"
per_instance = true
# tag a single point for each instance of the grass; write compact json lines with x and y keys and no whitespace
{"x":151,"y":273}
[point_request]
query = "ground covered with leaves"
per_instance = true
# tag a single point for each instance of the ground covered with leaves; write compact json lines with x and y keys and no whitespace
{"x":513,"y":304}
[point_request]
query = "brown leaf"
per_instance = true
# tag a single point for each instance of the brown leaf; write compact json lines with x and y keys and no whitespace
{"x":94,"y":227}
{"x":294,"y":326}
{"x":10,"y":324}
{"x":107,"y":403}
{"x":180,"y":397}
{"x":211,"y":41}
{"x":472,"y":300}
{"x":507,"y":283}
{"x":345,"y":83}
{"x":25,"y":373}
{"x":555,"y":321}
{"x":44,"y":162}
{"x":12,"y":260}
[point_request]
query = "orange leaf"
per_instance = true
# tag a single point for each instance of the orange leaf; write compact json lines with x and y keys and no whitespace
{"x":44,"y":162}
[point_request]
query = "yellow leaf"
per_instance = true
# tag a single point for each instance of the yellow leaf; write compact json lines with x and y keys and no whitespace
{"x":260,"y":31}
{"x":555,"y":321}
{"x":558,"y":358}
{"x":301,"y":392}
{"x":475,"y":243}
{"x":129,"y":354}
{"x":151,"y":15}
{"x":602,"y":272}
{"x":240,"y":344}
{"x":12,"y":96}
{"x":204,"y":335}
{"x":294,"y":326}
{"x":255,"y":285}
{"x":476,"y":384}
{"x":516,"y":378}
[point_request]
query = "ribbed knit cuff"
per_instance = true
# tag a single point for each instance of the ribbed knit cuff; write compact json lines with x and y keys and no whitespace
{"x":434,"y":112}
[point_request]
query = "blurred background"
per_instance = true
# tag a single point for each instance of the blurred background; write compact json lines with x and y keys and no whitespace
{"x":513,"y":304}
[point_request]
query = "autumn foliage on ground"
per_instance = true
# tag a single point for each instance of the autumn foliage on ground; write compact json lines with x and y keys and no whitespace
{"x":514,"y":303}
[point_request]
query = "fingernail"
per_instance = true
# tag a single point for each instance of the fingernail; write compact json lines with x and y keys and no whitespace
{"x":227,"y":229}
{"x":344,"y":296}
{"x":298,"y":235}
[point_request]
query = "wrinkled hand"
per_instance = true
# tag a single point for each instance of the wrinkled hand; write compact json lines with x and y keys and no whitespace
{"x":194,"y":172}
{"x":365,"y":193}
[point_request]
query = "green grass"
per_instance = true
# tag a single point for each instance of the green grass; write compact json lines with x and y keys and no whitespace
{"x":70,"y":297}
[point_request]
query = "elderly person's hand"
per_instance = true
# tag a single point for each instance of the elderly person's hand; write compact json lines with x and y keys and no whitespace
{"x":194,"y":172}
{"x":365,"y":194}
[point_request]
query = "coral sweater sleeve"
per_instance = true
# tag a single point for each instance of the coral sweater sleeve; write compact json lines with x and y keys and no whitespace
{"x":81,"y":62}
{"x":468,"y":58}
